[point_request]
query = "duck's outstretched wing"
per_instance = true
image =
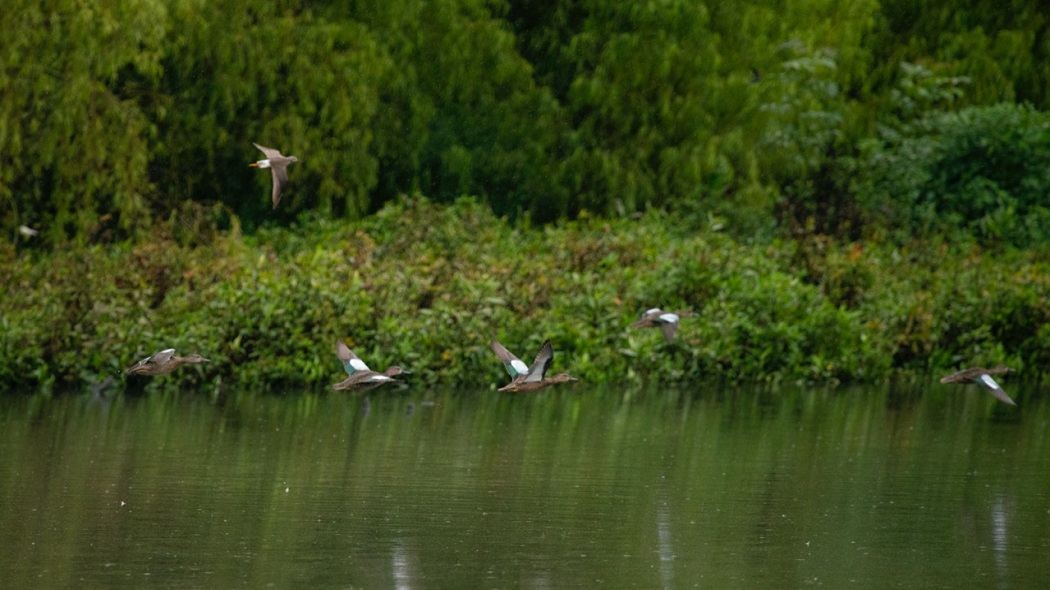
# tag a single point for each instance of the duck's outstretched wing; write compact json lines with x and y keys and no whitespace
{"x":162,"y":357}
{"x":515,"y":366}
{"x":544,"y":359}
{"x":986,"y":381}
{"x":669,"y":328}
{"x":351,"y":363}
{"x":158,"y":358}
{"x":647,"y":319}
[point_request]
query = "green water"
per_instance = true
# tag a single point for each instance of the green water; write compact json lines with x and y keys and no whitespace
{"x":574,"y":487}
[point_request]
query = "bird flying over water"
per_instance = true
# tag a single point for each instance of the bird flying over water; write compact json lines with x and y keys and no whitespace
{"x":359,"y":376}
{"x":982,"y":377}
{"x":163,"y":363}
{"x":526,"y":378}
{"x":665,"y":320}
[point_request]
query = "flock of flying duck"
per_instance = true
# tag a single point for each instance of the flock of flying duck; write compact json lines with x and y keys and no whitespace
{"x":523,"y":378}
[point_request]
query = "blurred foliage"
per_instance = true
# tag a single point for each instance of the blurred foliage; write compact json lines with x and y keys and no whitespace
{"x":267,"y":309}
{"x":741,"y":116}
{"x":983,"y":169}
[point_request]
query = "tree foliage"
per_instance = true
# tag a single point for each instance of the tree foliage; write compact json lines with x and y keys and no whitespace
{"x":986,"y":169}
{"x":114,"y":113}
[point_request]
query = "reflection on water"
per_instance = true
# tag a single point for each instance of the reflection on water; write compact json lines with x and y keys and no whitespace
{"x":568,"y":488}
{"x":663,"y":534}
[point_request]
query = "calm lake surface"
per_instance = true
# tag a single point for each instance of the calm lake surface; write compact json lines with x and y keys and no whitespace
{"x":575,"y":487}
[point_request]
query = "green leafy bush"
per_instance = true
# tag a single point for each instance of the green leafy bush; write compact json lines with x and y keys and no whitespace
{"x":983,"y":169}
{"x":426,"y":286}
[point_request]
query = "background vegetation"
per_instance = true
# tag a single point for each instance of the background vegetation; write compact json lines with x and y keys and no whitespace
{"x":268,"y":309}
{"x":826,"y":180}
{"x":114,"y":113}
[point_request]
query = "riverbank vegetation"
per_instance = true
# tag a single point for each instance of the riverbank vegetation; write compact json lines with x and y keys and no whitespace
{"x":267,"y":309}
{"x":845,"y":190}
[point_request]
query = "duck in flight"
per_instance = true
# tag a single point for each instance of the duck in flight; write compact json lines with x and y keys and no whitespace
{"x":359,"y":376}
{"x":526,"y":379}
{"x":278,"y":165}
{"x":982,"y":377}
{"x":665,"y":320}
{"x":163,"y":363}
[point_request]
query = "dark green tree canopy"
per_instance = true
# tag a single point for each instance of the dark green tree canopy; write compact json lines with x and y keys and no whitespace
{"x":114,"y":114}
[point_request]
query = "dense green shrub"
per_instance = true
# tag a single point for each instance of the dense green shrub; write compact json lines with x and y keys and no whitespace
{"x":984,"y":169}
{"x":426,"y":286}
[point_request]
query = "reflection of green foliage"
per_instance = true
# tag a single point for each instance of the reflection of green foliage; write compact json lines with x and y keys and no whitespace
{"x":427,"y":285}
{"x":328,"y":490}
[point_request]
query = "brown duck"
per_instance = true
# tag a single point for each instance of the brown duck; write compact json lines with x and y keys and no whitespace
{"x":360,"y":377}
{"x":665,"y":320}
{"x":525,"y":379}
{"x":982,"y":377}
{"x":163,"y":363}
